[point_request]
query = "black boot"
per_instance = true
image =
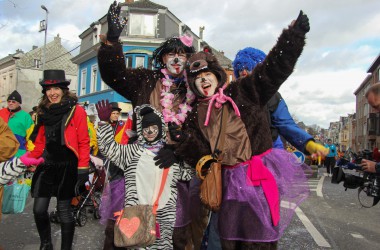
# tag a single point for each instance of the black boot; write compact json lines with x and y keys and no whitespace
{"x":46,"y":246}
{"x":43,"y":227}
{"x":67,"y":233}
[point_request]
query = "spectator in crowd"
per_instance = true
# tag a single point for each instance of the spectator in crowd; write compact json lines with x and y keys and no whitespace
{"x":18,"y":120}
{"x":373,"y":98}
{"x":331,"y":157}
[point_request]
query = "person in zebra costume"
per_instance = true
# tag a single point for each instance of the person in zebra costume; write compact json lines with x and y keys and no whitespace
{"x":138,"y":162}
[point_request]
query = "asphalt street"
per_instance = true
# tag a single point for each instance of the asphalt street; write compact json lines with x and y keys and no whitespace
{"x":331,"y":218}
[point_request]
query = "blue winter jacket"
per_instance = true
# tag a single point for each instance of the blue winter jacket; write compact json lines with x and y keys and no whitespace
{"x":286,"y":126}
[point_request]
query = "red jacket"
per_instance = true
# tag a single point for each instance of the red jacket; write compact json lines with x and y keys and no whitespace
{"x":75,"y":134}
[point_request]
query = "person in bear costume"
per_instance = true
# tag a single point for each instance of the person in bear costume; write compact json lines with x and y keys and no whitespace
{"x":255,"y":177}
{"x":164,"y":88}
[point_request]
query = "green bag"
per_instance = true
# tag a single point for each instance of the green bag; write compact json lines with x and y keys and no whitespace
{"x":14,"y":198}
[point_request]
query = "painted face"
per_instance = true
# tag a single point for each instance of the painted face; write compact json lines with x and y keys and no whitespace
{"x":114,"y":116}
{"x":12,"y":104}
{"x":54,"y":94}
{"x":206,"y":83}
{"x":175,"y":62}
{"x":150,"y":133}
{"x":244,"y":72}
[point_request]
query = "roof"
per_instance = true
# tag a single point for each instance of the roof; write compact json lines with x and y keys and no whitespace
{"x":143,"y":4}
{"x":374,"y":65}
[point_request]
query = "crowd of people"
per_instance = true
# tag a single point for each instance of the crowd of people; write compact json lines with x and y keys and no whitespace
{"x":178,"y":109}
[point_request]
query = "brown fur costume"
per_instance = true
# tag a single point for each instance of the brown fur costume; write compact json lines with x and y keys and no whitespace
{"x":250,"y":95}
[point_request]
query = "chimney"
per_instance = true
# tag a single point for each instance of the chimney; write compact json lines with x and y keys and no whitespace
{"x":201,"y":29}
{"x":222,"y":52}
{"x":34,"y":47}
{"x":57,"y":39}
{"x":129,"y":1}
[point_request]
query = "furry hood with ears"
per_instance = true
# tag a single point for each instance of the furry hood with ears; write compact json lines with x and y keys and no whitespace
{"x":204,"y":62}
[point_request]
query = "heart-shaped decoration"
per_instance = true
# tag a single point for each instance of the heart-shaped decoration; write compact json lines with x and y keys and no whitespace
{"x":129,"y":226}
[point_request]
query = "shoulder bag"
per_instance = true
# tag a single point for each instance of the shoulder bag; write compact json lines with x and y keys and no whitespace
{"x":136,"y":225}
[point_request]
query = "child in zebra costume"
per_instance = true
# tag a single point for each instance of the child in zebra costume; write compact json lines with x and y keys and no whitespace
{"x":142,"y":176}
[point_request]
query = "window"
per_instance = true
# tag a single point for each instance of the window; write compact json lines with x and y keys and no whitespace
{"x":378,"y":75}
{"x":142,"y":25}
{"x":37,"y":63}
{"x":83,"y":81}
{"x":128,"y":61}
{"x":150,"y":63}
{"x":94,"y":78}
{"x":103,"y":85}
{"x":140,"y":61}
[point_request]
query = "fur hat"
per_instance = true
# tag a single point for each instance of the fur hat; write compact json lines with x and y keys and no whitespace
{"x":115,"y":106}
{"x":15,"y":96}
{"x":247,"y":59}
{"x":204,"y":62}
{"x":174,"y":44}
{"x":54,"y":77}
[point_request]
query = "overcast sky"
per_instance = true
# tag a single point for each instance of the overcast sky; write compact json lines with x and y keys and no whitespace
{"x":343,"y":42}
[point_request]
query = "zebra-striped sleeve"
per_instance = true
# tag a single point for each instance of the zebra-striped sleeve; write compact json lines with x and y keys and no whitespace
{"x":10,"y":170}
{"x":120,"y":155}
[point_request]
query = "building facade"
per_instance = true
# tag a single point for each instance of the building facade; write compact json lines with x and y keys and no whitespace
{"x":23,"y":71}
{"x":367,"y":119}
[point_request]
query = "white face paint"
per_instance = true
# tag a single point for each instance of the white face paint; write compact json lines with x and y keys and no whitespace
{"x":206,"y":83}
{"x":150,"y":133}
{"x":175,"y":63}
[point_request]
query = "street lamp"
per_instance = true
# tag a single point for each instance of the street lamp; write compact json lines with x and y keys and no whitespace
{"x":43,"y":27}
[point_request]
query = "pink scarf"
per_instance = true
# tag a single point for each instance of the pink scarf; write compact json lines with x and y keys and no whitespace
{"x":258,"y":174}
{"x":219,"y":98}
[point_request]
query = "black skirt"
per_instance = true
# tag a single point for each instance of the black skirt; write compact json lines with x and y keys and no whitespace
{"x":55,"y":179}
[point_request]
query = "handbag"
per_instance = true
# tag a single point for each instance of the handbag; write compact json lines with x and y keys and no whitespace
{"x":136,"y":225}
{"x":211,"y":186}
{"x":14,"y":197}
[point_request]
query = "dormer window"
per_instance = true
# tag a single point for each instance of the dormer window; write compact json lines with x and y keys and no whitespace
{"x":142,"y":25}
{"x":37,"y":63}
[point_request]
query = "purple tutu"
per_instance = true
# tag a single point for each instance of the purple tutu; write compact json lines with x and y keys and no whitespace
{"x":112,"y":200}
{"x":245,"y":214}
{"x":183,"y":204}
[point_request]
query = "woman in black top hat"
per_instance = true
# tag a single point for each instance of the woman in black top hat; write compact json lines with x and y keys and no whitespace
{"x":63,"y":141}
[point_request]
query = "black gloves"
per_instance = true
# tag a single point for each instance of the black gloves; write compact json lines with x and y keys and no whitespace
{"x":165,"y":158}
{"x":302,"y":22}
{"x":175,"y":131}
{"x":81,"y":181}
{"x":104,"y":109}
{"x":115,"y":25}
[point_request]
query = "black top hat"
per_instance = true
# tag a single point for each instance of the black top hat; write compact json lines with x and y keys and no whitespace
{"x":53,"y":77}
{"x":115,"y":106}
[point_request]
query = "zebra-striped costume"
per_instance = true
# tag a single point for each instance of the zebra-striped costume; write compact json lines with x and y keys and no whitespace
{"x":143,"y":179}
{"x":10,"y":170}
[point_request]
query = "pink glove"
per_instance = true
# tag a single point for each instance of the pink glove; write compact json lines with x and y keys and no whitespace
{"x":30,"y":161}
